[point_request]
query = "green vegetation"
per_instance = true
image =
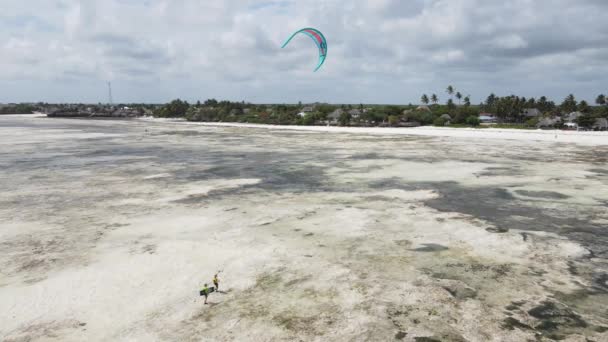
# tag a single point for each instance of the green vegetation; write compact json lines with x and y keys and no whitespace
{"x":508,"y":112}
{"x":393,"y":120}
{"x":174,"y":109}
{"x":18,"y":109}
{"x":473,"y":121}
{"x":440,"y":121}
{"x":586,"y":121}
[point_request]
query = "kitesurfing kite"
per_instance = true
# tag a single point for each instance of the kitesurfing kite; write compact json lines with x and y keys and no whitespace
{"x":318,"y":38}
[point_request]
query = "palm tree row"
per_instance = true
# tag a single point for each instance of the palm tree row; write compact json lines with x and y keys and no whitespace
{"x":452,"y":92}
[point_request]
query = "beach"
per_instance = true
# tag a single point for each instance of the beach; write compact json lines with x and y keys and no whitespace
{"x":109,"y":229}
{"x":588,"y":138}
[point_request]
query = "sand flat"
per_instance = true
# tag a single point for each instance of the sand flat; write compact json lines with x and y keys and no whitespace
{"x":109,"y":228}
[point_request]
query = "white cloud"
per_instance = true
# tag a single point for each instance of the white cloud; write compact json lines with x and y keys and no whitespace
{"x":451,"y":56}
{"x":511,"y":41}
{"x":379,"y":51}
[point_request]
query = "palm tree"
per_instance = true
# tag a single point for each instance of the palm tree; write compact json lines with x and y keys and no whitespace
{"x":450,"y":91}
{"x":434,"y":99}
{"x":491,"y":99}
{"x":583,"y":106}
{"x":601,"y":99}
{"x":569,"y":105}
{"x":458,"y":96}
{"x":424,"y":99}
{"x":467,"y":100}
{"x":450,"y":105}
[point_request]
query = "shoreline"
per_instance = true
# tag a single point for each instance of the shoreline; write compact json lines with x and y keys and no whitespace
{"x":588,"y":138}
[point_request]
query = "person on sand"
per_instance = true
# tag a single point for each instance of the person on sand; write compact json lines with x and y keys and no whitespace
{"x":216,"y":282}
{"x":205,"y":292}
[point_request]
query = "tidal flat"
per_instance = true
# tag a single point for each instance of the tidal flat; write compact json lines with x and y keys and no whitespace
{"x":108,"y":230}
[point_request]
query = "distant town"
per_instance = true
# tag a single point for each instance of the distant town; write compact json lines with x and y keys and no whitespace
{"x":457,"y":111}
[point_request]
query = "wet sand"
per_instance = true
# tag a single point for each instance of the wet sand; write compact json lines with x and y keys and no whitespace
{"x":108,"y":229}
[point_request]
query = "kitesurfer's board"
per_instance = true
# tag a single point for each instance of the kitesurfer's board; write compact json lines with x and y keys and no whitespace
{"x":211,"y":290}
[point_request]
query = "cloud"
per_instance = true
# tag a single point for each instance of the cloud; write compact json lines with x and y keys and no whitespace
{"x":385,"y":51}
{"x":511,"y":41}
{"x":451,"y":56}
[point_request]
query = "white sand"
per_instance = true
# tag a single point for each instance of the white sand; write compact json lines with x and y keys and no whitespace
{"x":578,"y":137}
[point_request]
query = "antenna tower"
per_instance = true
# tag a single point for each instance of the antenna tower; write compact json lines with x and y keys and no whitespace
{"x":110,"y":93}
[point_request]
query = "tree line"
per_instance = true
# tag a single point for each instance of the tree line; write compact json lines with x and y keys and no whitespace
{"x":20,"y":108}
{"x":512,"y":109}
{"x":455,"y":110}
{"x":458,"y":107}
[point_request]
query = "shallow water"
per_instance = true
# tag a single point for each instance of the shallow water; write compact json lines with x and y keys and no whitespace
{"x":321,"y":236}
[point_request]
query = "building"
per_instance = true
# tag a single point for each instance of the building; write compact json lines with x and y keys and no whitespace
{"x":235,"y":112}
{"x":573,"y":117}
{"x":308,"y":109}
{"x":447,"y":119}
{"x":601,"y":124}
{"x":334,"y":116}
{"x":531,"y":113}
{"x":123,"y":113}
{"x":355,"y":113}
{"x":423,"y":108}
{"x":546,"y":123}
{"x":487,"y":118}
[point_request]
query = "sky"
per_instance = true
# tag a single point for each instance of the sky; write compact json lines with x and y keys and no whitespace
{"x":380,"y":51}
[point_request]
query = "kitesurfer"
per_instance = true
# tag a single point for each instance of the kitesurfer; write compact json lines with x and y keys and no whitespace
{"x":216,"y":282}
{"x":205,"y":292}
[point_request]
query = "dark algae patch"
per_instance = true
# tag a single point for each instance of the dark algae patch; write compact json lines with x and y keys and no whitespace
{"x":497,"y":230}
{"x":542,"y":194}
{"x":600,"y":171}
{"x":451,"y":337}
{"x":557,"y":313}
{"x":268,"y":281}
{"x":295,"y":323}
{"x":515,"y":306}
{"x":400,"y":335}
{"x":502,"y":210}
{"x":511,"y":323}
{"x":551,"y":320}
{"x":601,"y":282}
{"x":431,"y":247}
{"x":556,"y":320}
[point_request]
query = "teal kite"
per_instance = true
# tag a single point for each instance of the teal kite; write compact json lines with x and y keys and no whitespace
{"x":318,"y":38}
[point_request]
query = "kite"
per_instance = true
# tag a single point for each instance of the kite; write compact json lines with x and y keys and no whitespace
{"x":318,"y":38}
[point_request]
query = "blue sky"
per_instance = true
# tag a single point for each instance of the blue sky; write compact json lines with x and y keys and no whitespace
{"x":381,"y":51}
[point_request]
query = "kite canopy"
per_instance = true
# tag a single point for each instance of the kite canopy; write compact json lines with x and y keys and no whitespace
{"x":318,"y":38}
